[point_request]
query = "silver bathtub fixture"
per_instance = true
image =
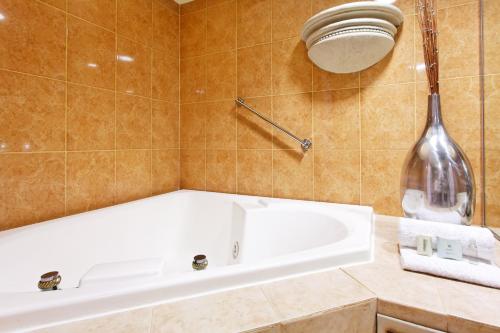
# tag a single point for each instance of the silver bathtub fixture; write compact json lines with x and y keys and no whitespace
{"x":236,"y":249}
{"x":200,"y":262}
{"x":304,"y":143}
{"x":437,"y":182}
{"x":49,"y":281}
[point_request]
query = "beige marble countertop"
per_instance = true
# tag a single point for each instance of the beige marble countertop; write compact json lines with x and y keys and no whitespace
{"x":322,"y":302}
{"x":430,"y":301}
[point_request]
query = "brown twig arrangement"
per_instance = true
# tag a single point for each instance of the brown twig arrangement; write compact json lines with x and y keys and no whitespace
{"x":426,"y":11}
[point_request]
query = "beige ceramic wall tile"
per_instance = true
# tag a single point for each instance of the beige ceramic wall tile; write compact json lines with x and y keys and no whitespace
{"x":221,"y":170}
{"x":133,"y":122}
{"x":253,"y":132}
{"x":133,"y":68}
{"x":193,"y":79}
{"x":388,"y":117}
{"x":221,"y":125}
{"x":90,"y":118}
{"x":193,"y":162}
{"x":336,"y":119}
{"x":165,"y":171}
{"x":193,"y":125}
{"x":397,"y":66}
{"x":458,"y":38}
{"x":166,"y":28}
{"x":357,"y":318}
{"x":193,"y":33}
{"x":292,"y":175}
{"x":319,"y":5}
{"x":492,"y":112}
{"x":91,"y":54}
{"x":292,"y":69}
{"x":36,"y":119}
{"x":133,"y":175}
{"x":288,"y":17}
{"x":221,"y":76}
{"x":299,"y":297}
{"x":294,"y":112}
{"x":452,"y":3}
{"x":211,"y":3}
{"x":193,"y":6}
{"x":134,"y":20}
{"x":254,"y":22}
{"x":136,"y":321}
{"x":231,"y":311}
{"x":492,"y":175}
{"x":38,"y":183}
{"x":221,"y":27}
{"x":100,"y":12}
{"x":165,"y":76}
{"x":32,"y":113}
{"x":254,"y":71}
{"x":380,"y":177}
{"x":61,"y":4}
{"x":491,"y":23}
{"x":337,"y":176}
{"x":90,"y":178}
{"x":323,"y":80}
{"x":33,"y":38}
{"x":255,"y":172}
{"x":172,"y":5}
{"x":165,"y":125}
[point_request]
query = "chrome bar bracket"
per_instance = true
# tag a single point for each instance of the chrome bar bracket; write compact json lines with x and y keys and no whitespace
{"x":306,"y":144}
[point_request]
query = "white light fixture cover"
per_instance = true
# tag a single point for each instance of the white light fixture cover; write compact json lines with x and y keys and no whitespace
{"x":351,"y":37}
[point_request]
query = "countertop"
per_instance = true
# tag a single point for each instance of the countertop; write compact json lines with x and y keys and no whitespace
{"x":322,"y":302}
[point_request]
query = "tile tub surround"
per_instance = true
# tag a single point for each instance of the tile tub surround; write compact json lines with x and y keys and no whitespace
{"x":342,"y":300}
{"x":361,"y":124}
{"x":492,"y":112}
{"x":90,"y":105}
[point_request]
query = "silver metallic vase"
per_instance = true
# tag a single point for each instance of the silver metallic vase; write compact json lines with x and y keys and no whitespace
{"x":437,"y":182}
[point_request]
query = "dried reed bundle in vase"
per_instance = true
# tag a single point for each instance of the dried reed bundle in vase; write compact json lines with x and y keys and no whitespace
{"x":437,"y":183}
{"x":426,"y":13}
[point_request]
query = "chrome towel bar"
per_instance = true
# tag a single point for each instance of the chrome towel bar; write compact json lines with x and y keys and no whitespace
{"x":305,"y":143}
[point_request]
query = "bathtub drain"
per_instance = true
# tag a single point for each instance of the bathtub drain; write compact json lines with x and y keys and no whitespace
{"x":236,"y":249}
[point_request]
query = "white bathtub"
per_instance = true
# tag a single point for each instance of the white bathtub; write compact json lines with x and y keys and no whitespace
{"x":143,"y":251}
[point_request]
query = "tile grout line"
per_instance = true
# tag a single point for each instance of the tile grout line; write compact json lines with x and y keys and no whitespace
{"x":205,"y":87}
{"x":179,"y":165}
{"x":312,"y":138}
{"x":151,"y":59}
{"x":66,"y":33}
{"x":115,"y":187}
{"x":415,"y":38}
{"x":360,"y":138}
{"x":237,"y":190}
{"x":272,"y":103}
{"x":257,"y":96}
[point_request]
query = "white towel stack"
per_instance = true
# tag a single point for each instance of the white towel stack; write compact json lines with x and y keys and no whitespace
{"x":478,"y":246}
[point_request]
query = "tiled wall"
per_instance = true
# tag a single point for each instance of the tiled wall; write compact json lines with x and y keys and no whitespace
{"x":361,"y":124}
{"x":492,"y":110}
{"x":89,"y":105}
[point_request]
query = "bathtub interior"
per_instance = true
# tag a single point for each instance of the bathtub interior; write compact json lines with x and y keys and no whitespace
{"x":166,"y":231}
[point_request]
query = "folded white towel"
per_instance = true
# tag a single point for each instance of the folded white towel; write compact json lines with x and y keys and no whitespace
{"x":476,"y":242}
{"x":478,"y":273}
